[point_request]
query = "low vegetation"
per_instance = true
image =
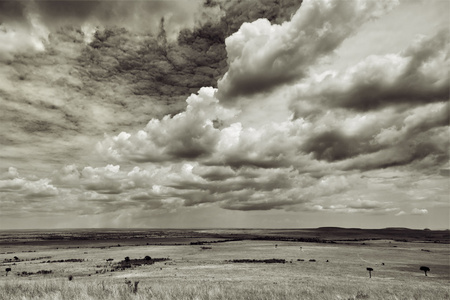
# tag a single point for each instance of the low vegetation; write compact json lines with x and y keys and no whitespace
{"x":266,"y":261}
{"x":319,"y":288}
{"x":234,"y":269}
{"x":65,"y":260}
{"x":43,"y":272}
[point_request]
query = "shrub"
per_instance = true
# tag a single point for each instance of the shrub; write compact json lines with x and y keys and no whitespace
{"x":267,"y":261}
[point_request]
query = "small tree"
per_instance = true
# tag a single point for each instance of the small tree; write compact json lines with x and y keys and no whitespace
{"x":127,"y":259}
{"x":370,"y":272}
{"x":148,"y":258}
{"x":425,"y":269}
{"x":7,"y":270}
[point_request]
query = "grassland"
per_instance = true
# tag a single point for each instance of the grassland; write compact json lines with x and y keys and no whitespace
{"x":222,"y":265}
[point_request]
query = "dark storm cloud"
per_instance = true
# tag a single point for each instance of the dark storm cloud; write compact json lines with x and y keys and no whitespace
{"x":214,"y":173}
{"x":12,"y":11}
{"x":444,"y":172}
{"x":249,"y":203}
{"x":331,"y":146}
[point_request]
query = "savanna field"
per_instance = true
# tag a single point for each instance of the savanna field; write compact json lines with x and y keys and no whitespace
{"x":233,"y":264}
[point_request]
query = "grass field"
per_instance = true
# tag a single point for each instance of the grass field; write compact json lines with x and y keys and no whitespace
{"x":207,"y":271}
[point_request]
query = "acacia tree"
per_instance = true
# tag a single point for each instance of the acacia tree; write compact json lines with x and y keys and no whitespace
{"x":425,"y":269}
{"x":7,"y":270}
{"x":370,"y":272}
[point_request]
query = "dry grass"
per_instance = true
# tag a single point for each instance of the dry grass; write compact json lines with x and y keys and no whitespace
{"x":312,"y":288}
{"x":193,"y":273}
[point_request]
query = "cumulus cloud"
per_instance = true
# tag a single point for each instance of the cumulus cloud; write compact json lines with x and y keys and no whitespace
{"x":414,"y":211}
{"x":419,"y":211}
{"x":371,"y":139}
{"x":29,"y":188}
{"x":290,"y":163}
{"x":415,"y":76}
{"x":27,"y":193}
{"x":190,"y":134}
{"x":262,"y":56}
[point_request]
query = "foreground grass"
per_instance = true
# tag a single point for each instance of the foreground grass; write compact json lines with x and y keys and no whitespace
{"x":312,"y":288}
{"x":339,"y":272}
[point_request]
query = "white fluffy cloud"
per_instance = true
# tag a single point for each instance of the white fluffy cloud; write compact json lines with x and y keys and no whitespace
{"x":262,"y":56}
{"x":27,"y":187}
{"x":27,"y":192}
{"x":187,"y":135}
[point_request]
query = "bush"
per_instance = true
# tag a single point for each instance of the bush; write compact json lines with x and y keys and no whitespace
{"x":267,"y":261}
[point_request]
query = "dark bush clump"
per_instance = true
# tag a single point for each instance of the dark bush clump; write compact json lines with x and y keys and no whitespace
{"x":267,"y":261}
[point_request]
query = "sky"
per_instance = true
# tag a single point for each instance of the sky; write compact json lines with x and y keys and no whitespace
{"x":224,"y":114}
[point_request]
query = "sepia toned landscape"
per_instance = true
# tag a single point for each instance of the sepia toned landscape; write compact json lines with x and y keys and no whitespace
{"x":224,"y":149}
{"x":323,"y":263}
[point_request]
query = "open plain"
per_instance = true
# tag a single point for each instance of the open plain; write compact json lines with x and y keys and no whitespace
{"x":327,"y":263}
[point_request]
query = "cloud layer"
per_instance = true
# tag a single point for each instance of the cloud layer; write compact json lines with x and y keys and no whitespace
{"x":261,"y":131}
{"x":386,"y":128}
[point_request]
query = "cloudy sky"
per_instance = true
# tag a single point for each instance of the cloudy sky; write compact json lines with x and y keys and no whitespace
{"x":194,"y":114}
